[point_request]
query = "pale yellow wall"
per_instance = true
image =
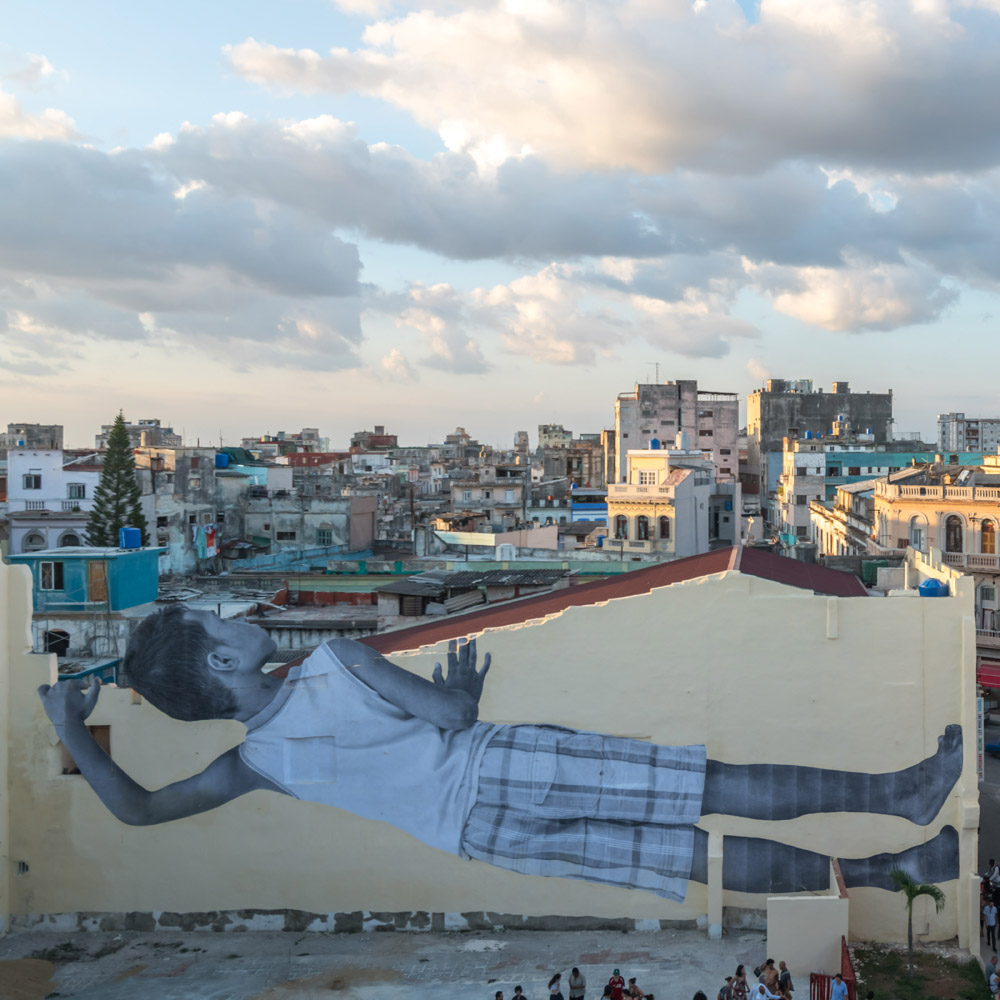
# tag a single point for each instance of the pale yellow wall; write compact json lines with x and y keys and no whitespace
{"x":805,"y":932}
{"x":866,"y":683}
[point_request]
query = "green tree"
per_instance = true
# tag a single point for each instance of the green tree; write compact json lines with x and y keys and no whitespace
{"x":912,"y":889}
{"x":117,"y":500}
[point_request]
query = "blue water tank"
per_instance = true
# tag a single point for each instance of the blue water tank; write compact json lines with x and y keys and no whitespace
{"x":933,"y":588}
{"x":129,"y":538}
{"x":654,"y":444}
{"x":809,"y":435}
{"x":221,"y":460}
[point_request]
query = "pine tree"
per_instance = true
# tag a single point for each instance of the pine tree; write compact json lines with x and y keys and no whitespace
{"x":117,"y":500}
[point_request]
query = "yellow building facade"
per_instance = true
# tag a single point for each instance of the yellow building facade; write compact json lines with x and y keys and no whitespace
{"x":806,"y":679}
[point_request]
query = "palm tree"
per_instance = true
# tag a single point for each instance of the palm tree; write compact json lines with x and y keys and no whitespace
{"x":907,"y":884}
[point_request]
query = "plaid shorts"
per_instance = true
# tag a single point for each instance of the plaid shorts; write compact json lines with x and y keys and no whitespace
{"x":555,"y":801}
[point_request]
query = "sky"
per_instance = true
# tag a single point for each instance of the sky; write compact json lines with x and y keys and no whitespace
{"x":246,"y":217}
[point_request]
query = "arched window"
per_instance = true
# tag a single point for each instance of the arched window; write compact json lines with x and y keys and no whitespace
{"x":988,"y":538}
{"x":621,"y":526}
{"x":642,"y":528}
{"x":664,"y":527}
{"x":953,"y":534}
{"x":33,"y":542}
{"x":69,"y":538}
{"x":917,"y":532}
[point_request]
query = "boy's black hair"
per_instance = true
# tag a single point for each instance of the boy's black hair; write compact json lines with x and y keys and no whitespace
{"x":167,"y":663}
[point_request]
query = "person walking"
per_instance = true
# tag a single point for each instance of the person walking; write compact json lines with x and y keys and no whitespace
{"x":577,"y":984}
{"x":990,"y":913}
{"x":555,"y":987}
{"x":839,"y":988}
{"x":726,"y":990}
{"x":991,"y":967}
{"x":635,"y":992}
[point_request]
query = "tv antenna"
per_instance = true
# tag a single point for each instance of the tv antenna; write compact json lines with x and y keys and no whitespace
{"x":656,"y":366}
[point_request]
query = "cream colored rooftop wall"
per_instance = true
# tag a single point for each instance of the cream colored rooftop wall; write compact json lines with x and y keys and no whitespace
{"x":15,"y":661}
{"x":866,"y":684}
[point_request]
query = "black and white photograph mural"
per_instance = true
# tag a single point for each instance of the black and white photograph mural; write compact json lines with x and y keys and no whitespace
{"x":348,"y":728}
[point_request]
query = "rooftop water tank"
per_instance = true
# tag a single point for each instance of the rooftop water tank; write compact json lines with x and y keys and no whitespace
{"x":933,"y":588}
{"x":654,"y":444}
{"x":129,"y":538}
{"x":809,"y":435}
{"x":221,"y":460}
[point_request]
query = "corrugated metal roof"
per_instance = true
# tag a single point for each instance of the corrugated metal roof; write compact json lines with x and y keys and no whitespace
{"x":503,"y":578}
{"x":755,"y":562}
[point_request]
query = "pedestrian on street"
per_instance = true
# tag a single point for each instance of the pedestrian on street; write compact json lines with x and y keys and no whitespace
{"x":990,"y":913}
{"x":839,"y":991}
{"x":740,"y":988}
{"x":634,"y":991}
{"x":617,"y":984}
{"x":726,"y":990}
{"x":784,"y":979}
{"x":519,"y":993}
{"x":498,"y":995}
{"x":761,"y":992}
{"x":769,"y":975}
{"x":555,"y":987}
{"x":991,"y":967}
{"x":577,"y":984}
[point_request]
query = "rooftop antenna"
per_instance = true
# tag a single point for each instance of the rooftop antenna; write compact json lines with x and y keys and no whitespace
{"x":656,"y":365}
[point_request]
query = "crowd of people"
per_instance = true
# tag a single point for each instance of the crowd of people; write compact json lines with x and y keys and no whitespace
{"x":770,"y":982}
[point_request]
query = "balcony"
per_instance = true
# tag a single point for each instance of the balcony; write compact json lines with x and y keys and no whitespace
{"x":987,"y":638}
{"x":630,"y":490}
{"x":631,"y":546}
{"x":964,"y":494}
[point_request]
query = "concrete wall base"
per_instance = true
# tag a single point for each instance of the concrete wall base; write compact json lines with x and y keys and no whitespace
{"x":358,"y":921}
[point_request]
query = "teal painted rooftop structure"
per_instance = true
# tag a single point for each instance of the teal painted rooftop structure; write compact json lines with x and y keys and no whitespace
{"x":88,"y":578}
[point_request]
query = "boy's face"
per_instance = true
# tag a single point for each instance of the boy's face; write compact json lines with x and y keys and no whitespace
{"x":244,"y":647}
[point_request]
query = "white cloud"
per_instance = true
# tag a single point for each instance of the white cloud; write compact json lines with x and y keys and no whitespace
{"x":16,"y":123}
{"x":875,"y":83}
{"x":395,"y":366}
{"x":35,"y":71}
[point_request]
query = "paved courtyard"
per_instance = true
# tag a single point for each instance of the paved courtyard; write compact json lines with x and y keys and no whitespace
{"x":388,"y":966}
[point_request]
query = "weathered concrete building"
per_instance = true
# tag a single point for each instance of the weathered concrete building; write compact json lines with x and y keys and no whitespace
{"x":33,"y":437}
{"x":791,"y":408}
{"x":654,"y":411}
{"x":957,"y":432}
{"x":290,"y":521}
{"x":148,"y":433}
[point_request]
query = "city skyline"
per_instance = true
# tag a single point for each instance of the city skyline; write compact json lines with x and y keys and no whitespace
{"x":247,"y":219}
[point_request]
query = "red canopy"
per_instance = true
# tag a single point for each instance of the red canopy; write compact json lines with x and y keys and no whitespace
{"x":988,"y":673}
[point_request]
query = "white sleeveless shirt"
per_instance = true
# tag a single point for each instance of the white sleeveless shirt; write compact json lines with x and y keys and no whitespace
{"x":328,"y":737}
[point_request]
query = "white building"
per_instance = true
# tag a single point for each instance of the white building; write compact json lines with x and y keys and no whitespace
{"x":48,"y":498}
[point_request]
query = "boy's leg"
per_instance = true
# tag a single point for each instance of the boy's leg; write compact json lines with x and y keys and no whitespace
{"x":766,"y":866}
{"x":784,"y":791}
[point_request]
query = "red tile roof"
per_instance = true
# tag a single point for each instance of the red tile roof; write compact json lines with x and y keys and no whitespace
{"x":755,"y":562}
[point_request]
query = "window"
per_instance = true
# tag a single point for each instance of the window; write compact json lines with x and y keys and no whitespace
{"x":70,"y":538}
{"x":194,"y":462}
{"x":285,"y":536}
{"x":647,"y":478}
{"x":725,"y":451}
{"x":988,"y":539}
{"x":161,"y":522}
{"x":487,"y":494}
{"x":76,"y":491}
{"x":801,"y":531}
{"x":664,"y":527}
{"x":508,"y":496}
{"x":953,"y":534}
{"x":801,"y":500}
{"x":466,"y":494}
{"x":705,"y":413}
{"x":833,"y":470}
{"x":51,"y":575}
{"x":206,"y":517}
{"x":726,"y":471}
{"x":642,"y":528}
{"x":220,"y":516}
{"x":266,"y":526}
{"x":988,"y":594}
{"x":800,"y":470}
{"x":33,"y":542}
{"x":192,"y":518}
{"x":621,"y":526}
{"x":32,"y":481}
{"x":324,"y":536}
{"x":916,"y":533}
{"x":194,"y":482}
{"x":854,"y":470}
{"x":705,"y":433}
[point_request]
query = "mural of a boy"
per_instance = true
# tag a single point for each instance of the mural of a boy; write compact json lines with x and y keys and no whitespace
{"x":350,"y":729}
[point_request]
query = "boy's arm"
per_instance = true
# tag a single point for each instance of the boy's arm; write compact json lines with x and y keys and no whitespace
{"x":226,"y":778}
{"x":450,"y":702}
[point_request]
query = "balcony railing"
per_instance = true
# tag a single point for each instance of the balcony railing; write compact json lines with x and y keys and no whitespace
{"x":629,"y":489}
{"x":968,"y":494}
{"x":988,"y":637}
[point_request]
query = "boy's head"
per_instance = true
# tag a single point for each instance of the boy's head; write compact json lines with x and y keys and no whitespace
{"x":193,"y":665}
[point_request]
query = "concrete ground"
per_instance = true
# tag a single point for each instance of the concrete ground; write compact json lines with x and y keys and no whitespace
{"x":388,"y":966}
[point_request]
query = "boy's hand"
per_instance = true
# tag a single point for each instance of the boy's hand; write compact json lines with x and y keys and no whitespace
{"x":66,"y":704}
{"x":462,"y":673}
